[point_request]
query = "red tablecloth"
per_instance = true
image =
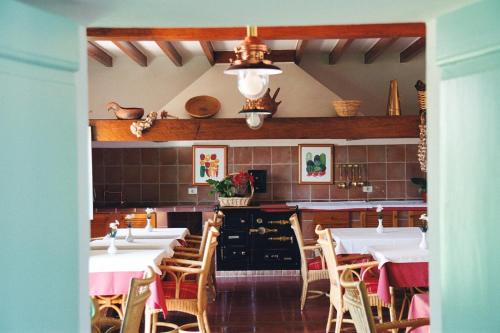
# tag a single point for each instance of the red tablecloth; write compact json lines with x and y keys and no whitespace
{"x":402,"y":275}
{"x":419,"y":308}
{"x":117,"y":283}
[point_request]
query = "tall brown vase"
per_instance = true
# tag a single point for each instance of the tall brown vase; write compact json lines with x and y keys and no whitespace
{"x":393,"y":105}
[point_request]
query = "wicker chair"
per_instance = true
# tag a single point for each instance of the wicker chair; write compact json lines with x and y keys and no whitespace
{"x":189,"y":296}
{"x":134,"y":308}
{"x":334,"y":270}
{"x":357,"y":301}
{"x":311,"y":269}
{"x":195,"y":241}
{"x":194,"y":253}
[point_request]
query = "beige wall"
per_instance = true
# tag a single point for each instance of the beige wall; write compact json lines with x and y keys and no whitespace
{"x":305,"y":91}
{"x":301,"y":94}
{"x":352,"y":79}
{"x":132,"y":85}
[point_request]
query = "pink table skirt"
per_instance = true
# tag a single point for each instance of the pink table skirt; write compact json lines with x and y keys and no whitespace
{"x":117,"y":283}
{"x":419,"y":308}
{"x":402,"y":275}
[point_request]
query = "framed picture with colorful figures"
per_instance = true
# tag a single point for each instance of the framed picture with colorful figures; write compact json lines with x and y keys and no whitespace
{"x":316,"y":164}
{"x":209,"y":162}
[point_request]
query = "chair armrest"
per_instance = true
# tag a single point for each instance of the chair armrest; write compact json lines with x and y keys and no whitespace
{"x":182,"y":261}
{"x":359,"y":265}
{"x":414,"y":323}
{"x":351,"y":257}
{"x":113,"y":324}
{"x":186,"y":254}
{"x":310,"y":242}
{"x":192,"y":237}
{"x":181,"y":269}
{"x":312,"y":247}
{"x":186,"y":249}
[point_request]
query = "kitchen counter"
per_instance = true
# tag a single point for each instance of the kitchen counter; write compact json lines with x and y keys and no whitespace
{"x":360,"y":205}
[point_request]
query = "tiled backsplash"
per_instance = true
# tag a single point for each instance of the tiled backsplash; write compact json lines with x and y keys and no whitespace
{"x":162,"y":176}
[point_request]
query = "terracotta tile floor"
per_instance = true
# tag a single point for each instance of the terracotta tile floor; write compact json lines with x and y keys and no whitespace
{"x":261,"y":304}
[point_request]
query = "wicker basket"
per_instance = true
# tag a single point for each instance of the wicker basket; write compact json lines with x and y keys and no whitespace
{"x":237,"y":201}
{"x":346,"y":108}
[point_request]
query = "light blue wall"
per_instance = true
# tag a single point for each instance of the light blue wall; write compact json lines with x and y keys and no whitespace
{"x":40,"y":197}
{"x":466,"y":176}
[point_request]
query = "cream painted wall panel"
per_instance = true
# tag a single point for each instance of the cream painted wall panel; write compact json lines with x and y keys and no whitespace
{"x":132,"y":85}
{"x":350,"y":78}
{"x":302,"y":95}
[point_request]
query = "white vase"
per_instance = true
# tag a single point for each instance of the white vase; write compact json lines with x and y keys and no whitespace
{"x":380,"y":227}
{"x":129,"y":237}
{"x":148,"y":225}
{"x":423,"y":243}
{"x":112,"y":247}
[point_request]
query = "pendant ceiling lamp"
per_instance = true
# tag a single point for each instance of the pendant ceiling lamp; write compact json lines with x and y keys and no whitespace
{"x":251,"y":67}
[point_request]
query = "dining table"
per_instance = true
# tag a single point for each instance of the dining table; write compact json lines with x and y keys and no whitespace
{"x":166,"y":244}
{"x":358,"y":240}
{"x":156,"y":233}
{"x":110,"y":274}
{"x":402,"y":266}
{"x":419,"y":308}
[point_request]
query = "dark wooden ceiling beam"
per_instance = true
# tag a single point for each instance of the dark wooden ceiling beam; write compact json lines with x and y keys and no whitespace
{"x":413,"y":50}
{"x":98,"y":54}
{"x":348,"y":31}
{"x":376,"y":50}
{"x":170,"y":51}
{"x":208,"y":50}
{"x":275,"y":128}
{"x":299,"y":50}
{"x":133,"y":52}
{"x":222,"y":57}
{"x":338,"y":50}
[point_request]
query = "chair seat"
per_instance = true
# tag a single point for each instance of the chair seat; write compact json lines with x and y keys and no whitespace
{"x":188,"y":289}
{"x":314,"y":263}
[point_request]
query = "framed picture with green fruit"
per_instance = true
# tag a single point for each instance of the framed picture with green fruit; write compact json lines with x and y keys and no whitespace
{"x":316,"y":164}
{"x":209,"y":162}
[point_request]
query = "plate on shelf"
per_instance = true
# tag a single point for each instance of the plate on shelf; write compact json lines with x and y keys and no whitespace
{"x":202,"y":106}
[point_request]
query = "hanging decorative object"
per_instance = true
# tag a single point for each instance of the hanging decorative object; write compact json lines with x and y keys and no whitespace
{"x":138,"y":127}
{"x":255,"y":110}
{"x":393,"y":105}
{"x":422,"y":144}
{"x":253,"y":70}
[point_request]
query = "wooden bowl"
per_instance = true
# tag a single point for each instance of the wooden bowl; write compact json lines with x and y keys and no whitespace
{"x":202,"y":106}
{"x":129,"y":113}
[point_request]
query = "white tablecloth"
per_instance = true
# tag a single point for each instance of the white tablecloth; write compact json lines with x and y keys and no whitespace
{"x":125,"y":260}
{"x":401,"y":254}
{"x":158,"y":233}
{"x":357,"y":240}
{"x":167,"y":245}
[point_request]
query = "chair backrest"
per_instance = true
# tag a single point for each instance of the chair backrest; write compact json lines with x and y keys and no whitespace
{"x":208,"y":255}
{"x":356,"y":301}
{"x":204,"y":234}
{"x":325,"y":240}
{"x":295,"y":225}
{"x":138,"y":293}
{"x":218,"y":219}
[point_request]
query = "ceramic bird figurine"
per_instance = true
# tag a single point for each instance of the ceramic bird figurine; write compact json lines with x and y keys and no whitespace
{"x":125,"y":113}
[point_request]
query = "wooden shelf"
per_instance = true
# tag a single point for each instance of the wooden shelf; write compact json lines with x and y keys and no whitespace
{"x":276,"y":128}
